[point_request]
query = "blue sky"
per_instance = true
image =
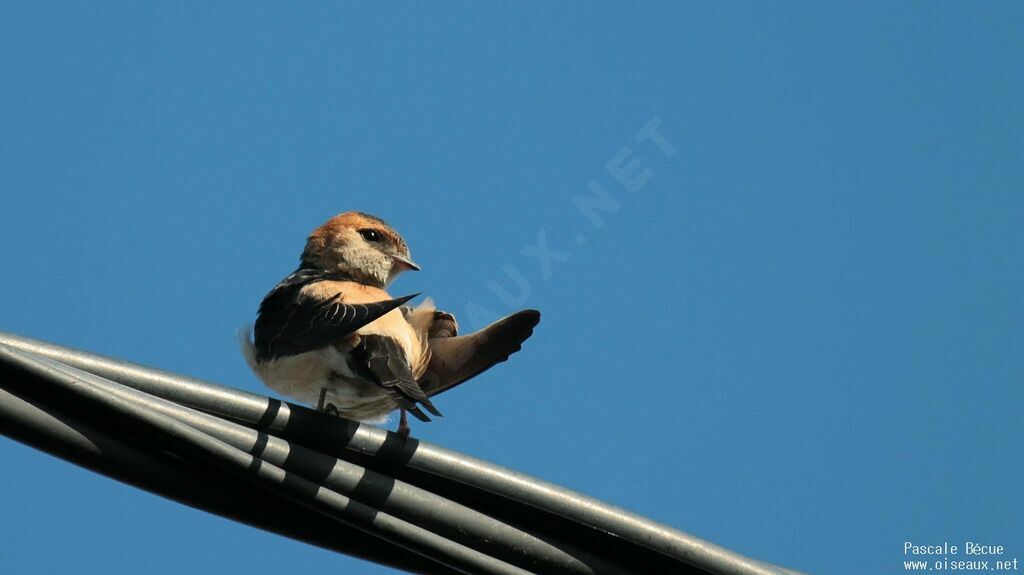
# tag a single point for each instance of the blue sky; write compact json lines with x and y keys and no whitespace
{"x":800,"y":338}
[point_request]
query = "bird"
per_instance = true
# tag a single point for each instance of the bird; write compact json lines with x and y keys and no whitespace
{"x":330,"y":335}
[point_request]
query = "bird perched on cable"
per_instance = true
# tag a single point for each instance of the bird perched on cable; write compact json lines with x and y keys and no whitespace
{"x":330,"y":335}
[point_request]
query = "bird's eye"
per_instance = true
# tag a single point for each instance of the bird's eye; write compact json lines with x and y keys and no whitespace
{"x":370,"y":235}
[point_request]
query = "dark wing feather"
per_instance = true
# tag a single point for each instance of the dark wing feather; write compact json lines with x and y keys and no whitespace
{"x":454,"y":360}
{"x":289,"y":323}
{"x":380,"y":359}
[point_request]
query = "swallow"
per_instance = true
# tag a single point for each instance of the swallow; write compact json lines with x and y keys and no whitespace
{"x":330,"y":335}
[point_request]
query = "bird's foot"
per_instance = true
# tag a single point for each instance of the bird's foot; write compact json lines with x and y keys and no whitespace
{"x":322,"y":402}
{"x":324,"y":406}
{"x":403,"y":425}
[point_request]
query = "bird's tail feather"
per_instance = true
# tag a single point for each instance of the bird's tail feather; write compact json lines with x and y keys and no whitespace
{"x":244,"y":334}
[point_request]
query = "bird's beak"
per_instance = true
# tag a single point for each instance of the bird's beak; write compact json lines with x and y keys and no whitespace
{"x":405,"y":264}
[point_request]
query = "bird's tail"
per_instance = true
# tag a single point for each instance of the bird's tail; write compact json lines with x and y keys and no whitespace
{"x":454,"y":360}
{"x":244,"y":334}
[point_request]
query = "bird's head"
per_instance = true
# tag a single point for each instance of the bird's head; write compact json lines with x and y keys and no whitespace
{"x":360,"y":245}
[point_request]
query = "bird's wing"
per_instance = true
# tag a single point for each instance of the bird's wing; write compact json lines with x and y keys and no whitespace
{"x":291,"y":322}
{"x":381,"y":359}
{"x":453,"y":360}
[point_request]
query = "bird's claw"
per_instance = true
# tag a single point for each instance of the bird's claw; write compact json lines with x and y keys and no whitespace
{"x":324,"y":406}
{"x":403,"y":426}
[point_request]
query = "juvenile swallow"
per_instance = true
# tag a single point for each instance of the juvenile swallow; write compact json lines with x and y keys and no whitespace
{"x":330,"y":335}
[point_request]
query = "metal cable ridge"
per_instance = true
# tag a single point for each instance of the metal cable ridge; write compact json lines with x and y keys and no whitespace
{"x":300,"y":425}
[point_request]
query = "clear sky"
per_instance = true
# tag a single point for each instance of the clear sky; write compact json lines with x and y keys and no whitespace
{"x":800,"y":338}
